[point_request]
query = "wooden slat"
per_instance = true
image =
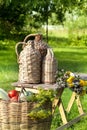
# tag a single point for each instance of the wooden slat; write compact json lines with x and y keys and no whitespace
{"x":54,"y":105}
{"x":70,"y":123}
{"x":78,"y":102}
{"x":72,"y":99}
{"x":35,"y":86}
{"x":57,"y":99}
{"x":62,"y":112}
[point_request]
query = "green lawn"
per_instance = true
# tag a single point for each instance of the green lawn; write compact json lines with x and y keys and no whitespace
{"x":8,"y":68}
{"x":72,"y":58}
{"x":69,"y":58}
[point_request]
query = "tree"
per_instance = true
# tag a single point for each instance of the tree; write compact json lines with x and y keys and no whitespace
{"x":14,"y":15}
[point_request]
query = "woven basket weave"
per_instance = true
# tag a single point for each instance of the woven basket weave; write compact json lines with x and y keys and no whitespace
{"x":13,"y":116}
{"x":29,"y":61}
{"x":49,"y":67}
{"x":41,"y":46}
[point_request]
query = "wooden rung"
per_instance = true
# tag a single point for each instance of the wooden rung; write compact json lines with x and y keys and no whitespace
{"x":71,"y":122}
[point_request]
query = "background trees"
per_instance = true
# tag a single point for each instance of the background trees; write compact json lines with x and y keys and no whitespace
{"x":20,"y":16}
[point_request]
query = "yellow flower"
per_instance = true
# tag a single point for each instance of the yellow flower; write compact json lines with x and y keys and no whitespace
{"x":83,"y":83}
{"x":70,"y":79}
{"x":71,"y":85}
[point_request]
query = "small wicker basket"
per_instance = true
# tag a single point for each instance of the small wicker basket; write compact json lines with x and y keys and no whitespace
{"x":49,"y":67}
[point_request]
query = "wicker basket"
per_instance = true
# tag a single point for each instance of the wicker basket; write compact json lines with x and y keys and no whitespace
{"x":14,"y":116}
{"x":29,"y":60}
{"x":49,"y":67}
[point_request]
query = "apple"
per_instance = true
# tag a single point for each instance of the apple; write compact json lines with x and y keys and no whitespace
{"x":13,"y":93}
{"x":14,"y":99}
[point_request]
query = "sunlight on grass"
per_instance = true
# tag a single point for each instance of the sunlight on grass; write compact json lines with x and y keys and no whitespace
{"x":73,"y":59}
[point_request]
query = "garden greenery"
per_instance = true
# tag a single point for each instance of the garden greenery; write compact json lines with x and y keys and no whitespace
{"x":43,"y":104}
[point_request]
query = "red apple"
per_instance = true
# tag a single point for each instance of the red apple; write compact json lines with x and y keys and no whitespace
{"x":14,"y":99}
{"x":13,"y":93}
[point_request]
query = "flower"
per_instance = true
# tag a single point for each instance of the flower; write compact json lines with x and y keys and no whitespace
{"x":72,"y":81}
{"x":82,"y":82}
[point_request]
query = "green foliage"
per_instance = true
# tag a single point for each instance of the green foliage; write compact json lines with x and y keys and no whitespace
{"x":21,"y":16}
{"x":5,"y":44}
{"x":43,"y":107}
{"x":77,"y":30}
{"x":78,"y":41}
{"x":39,"y":114}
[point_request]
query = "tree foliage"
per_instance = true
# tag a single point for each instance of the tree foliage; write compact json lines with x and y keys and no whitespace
{"x":14,"y":15}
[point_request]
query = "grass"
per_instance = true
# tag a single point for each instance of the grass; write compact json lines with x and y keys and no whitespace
{"x":72,"y":58}
{"x":8,"y":69}
{"x":69,"y":58}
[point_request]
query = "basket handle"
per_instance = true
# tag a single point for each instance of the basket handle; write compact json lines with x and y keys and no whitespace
{"x":28,"y":36}
{"x":16,"y":48}
{"x":24,"y":92}
{"x":21,"y":92}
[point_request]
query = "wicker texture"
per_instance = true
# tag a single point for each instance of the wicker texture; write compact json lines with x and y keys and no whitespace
{"x":14,"y":116}
{"x":49,"y":67}
{"x":40,"y":45}
{"x":29,"y":64}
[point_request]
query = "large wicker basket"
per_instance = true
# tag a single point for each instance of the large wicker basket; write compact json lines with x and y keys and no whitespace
{"x":14,"y":116}
{"x":29,"y":60}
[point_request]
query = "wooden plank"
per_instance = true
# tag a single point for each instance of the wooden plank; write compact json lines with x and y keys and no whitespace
{"x":70,"y":123}
{"x":27,"y":89}
{"x":78,"y":102}
{"x":72,"y":99}
{"x":62,"y":112}
{"x":35,"y":86}
{"x":57,"y":99}
{"x":54,"y":104}
{"x":59,"y":92}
